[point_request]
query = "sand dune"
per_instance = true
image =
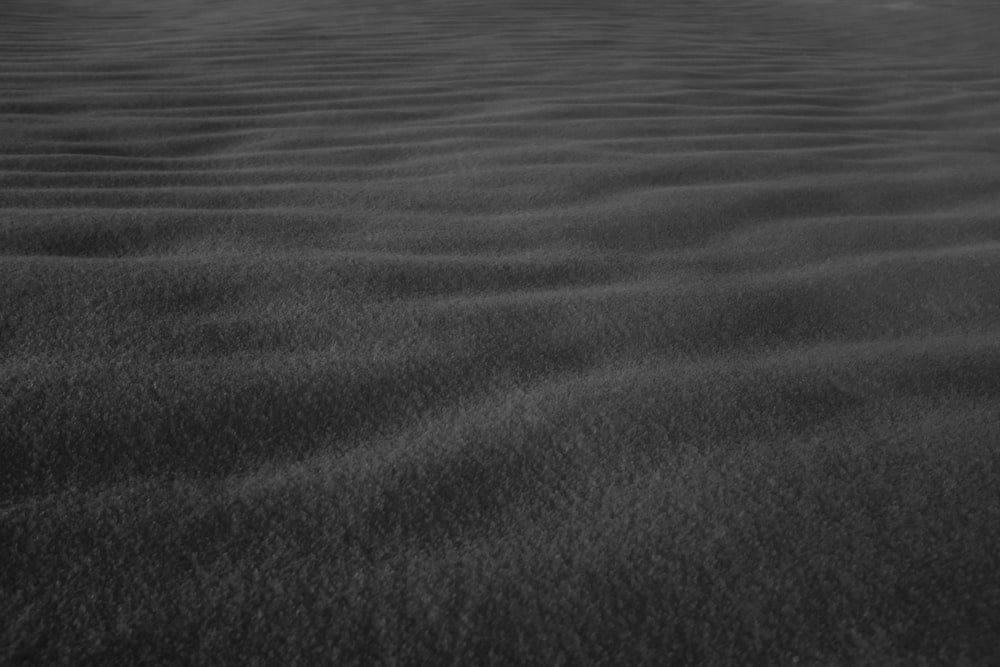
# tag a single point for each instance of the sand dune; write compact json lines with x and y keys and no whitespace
{"x":467,"y":332}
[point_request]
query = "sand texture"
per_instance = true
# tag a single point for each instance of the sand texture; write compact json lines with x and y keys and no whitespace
{"x":500,"y":332}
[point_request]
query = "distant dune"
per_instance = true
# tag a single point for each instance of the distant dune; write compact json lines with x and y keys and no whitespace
{"x":500,"y":332}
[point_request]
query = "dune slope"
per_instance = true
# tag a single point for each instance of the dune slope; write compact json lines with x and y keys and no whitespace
{"x":500,"y":332}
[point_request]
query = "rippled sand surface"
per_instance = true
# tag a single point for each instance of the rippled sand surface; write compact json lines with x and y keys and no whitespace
{"x":500,"y":332}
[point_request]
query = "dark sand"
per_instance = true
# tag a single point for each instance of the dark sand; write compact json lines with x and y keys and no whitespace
{"x":500,"y":332}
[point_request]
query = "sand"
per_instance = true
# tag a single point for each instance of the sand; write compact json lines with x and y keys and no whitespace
{"x":500,"y":332}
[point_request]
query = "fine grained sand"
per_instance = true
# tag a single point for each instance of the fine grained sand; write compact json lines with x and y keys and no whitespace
{"x":470,"y":332}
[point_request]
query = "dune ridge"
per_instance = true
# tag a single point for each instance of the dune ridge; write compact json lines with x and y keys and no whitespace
{"x":468,"y":332}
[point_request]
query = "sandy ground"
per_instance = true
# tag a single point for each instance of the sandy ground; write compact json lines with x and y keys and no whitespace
{"x":500,"y":332}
